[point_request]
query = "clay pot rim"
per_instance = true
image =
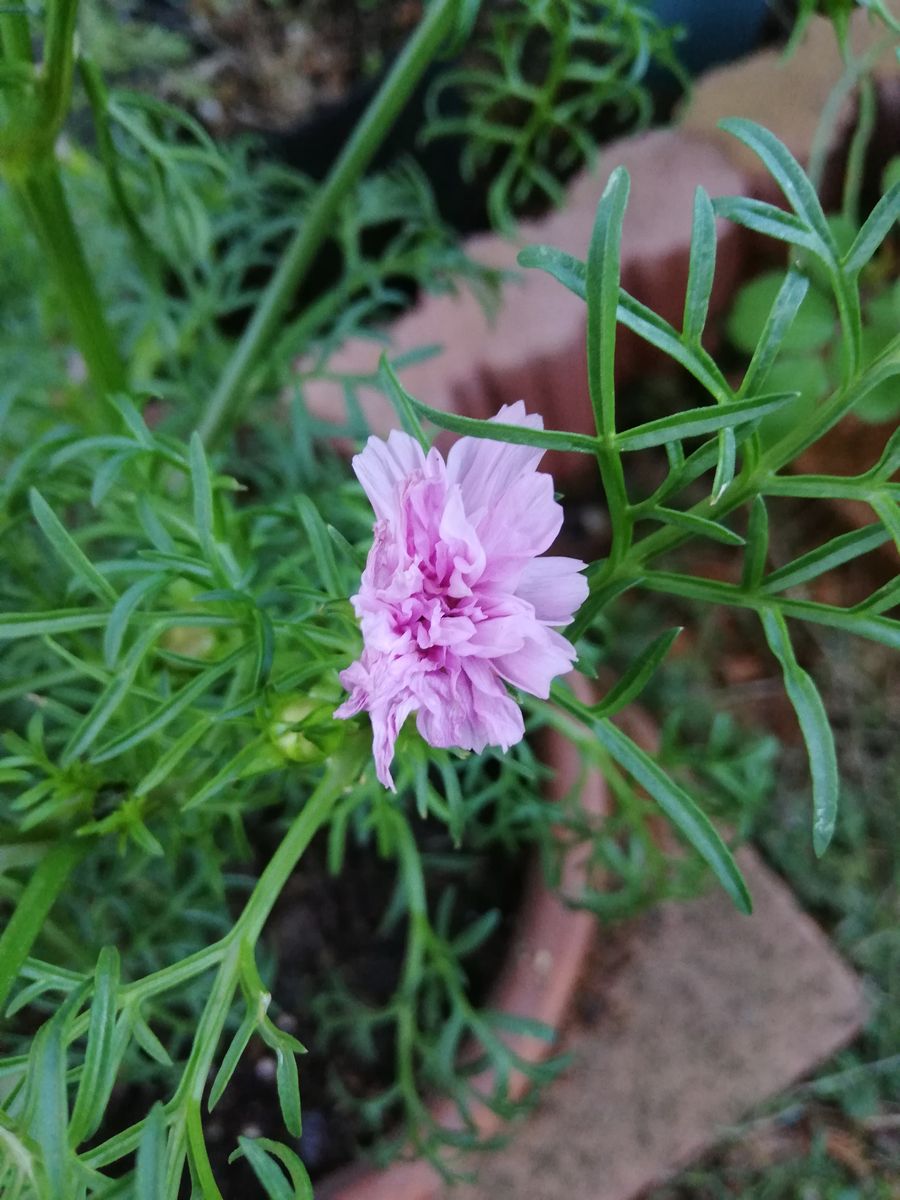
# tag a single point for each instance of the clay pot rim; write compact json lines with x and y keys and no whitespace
{"x":549,"y":947}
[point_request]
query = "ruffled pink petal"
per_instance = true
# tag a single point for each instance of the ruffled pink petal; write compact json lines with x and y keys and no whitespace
{"x":469,"y":710}
{"x":554,"y":587}
{"x":382,"y":466}
{"x":485,"y":470}
{"x":544,"y":655}
{"x":522,"y":523}
{"x":387,"y":721}
{"x":453,"y":603}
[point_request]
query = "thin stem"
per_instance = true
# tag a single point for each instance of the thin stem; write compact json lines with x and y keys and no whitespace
{"x":339,"y":775}
{"x":42,"y":194}
{"x":757,"y":480}
{"x":15,"y":37}
{"x":59,"y":61}
{"x":39,"y":896}
{"x":859,"y":147}
{"x":233,"y":390}
{"x":410,"y":863}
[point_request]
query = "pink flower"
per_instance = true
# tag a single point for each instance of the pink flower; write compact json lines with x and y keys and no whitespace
{"x":454,"y":602}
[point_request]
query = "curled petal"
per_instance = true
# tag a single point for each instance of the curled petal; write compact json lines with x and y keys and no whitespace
{"x":382,"y":466}
{"x":485,"y":470}
{"x":544,"y":655}
{"x":555,"y":588}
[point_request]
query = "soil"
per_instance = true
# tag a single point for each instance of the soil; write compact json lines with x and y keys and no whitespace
{"x":255,"y":65}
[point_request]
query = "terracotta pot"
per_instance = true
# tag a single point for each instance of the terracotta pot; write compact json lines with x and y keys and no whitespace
{"x":545,"y":959}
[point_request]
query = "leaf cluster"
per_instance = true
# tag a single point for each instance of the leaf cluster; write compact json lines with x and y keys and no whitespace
{"x":543,"y":75}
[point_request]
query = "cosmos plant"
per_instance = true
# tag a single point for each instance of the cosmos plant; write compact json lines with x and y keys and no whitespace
{"x":182,"y":604}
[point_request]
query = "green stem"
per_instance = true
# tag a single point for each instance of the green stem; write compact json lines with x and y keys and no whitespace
{"x":760,"y":479}
{"x":41,"y":192}
{"x":59,"y":62}
{"x":340,"y":774}
{"x":233,"y":392}
{"x":15,"y":36}
{"x":410,"y":862}
{"x":38,"y":898}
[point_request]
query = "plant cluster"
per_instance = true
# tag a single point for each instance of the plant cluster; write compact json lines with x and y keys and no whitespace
{"x":549,"y":73}
{"x":178,"y":551}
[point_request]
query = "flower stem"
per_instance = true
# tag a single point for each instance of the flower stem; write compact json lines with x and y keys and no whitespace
{"x":41,"y":193}
{"x":233,"y":390}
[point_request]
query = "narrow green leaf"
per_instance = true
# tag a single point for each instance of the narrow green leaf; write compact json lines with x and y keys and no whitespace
{"x":726,"y":462}
{"x":21,"y":930}
{"x":884,"y":598}
{"x":148,"y":1041}
{"x":246,"y":759}
{"x":287,"y":1082}
{"x":781,"y":316}
{"x":702,"y":267}
{"x":356,"y":557}
{"x":698,"y":421}
{"x":889,"y":512}
{"x":402,"y":402}
{"x":169,"y":709}
{"x":123,"y":609}
{"x":264,"y":649}
{"x":499,"y":431}
{"x":232,"y":1057}
{"x":68,"y":551}
{"x":165,"y":765}
{"x":768,"y":220}
{"x":203,"y":498}
{"x":814,"y":726}
{"x":133,"y":420}
{"x":476,"y":933}
{"x":260,"y":1153}
{"x":877,"y":629}
{"x":96,"y":1079}
{"x":638,"y":675}
{"x":106,"y":475}
{"x":62,"y":620}
{"x":889,"y":463}
{"x":659,"y":333}
{"x":152,"y":525}
{"x":48,"y":1118}
{"x":110,"y":699}
{"x":150,"y":1161}
{"x":571,"y":272}
{"x":757,"y":546}
{"x":678,"y":806}
{"x":833,"y":553}
{"x":698,"y":526}
{"x":321,"y":545}
{"x":875,"y":229}
{"x":603,"y":298}
{"x":787,"y":173}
